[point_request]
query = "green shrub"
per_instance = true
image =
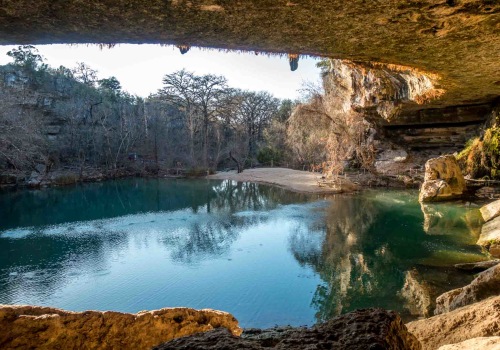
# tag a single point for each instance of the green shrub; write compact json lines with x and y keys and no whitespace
{"x":481,"y":156}
{"x":268,"y":154}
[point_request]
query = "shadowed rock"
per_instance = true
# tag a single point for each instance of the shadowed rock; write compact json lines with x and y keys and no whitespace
{"x":363,"y":329}
{"x":477,"y":266}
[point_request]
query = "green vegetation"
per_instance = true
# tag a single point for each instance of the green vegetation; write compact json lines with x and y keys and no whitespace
{"x":481,"y":156}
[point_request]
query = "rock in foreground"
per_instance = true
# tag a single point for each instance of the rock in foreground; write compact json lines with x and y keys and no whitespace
{"x":363,"y":329}
{"x":485,"y":285}
{"x":33,"y":327}
{"x":443,"y":180}
{"x":477,"y":320}
{"x":480,"y":343}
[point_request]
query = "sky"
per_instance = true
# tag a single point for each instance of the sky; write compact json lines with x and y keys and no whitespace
{"x":140,"y":68}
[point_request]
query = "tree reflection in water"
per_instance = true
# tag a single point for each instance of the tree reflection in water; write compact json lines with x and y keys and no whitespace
{"x":369,"y":243}
{"x":352,"y":251}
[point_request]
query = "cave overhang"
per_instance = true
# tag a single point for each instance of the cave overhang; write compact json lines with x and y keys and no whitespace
{"x":456,"y":41}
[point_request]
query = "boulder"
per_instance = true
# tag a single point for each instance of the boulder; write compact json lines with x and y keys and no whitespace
{"x":34,"y":179}
{"x":490,"y":233}
{"x":34,"y":327}
{"x":41,"y":168}
{"x":490,"y":211}
{"x":443,"y":180}
{"x":485,"y":285}
{"x":481,"y":319}
{"x":361,"y":329}
{"x":480,"y":343}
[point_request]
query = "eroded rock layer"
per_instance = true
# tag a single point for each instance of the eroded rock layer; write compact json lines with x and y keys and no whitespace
{"x":362,"y":329}
{"x":34,"y":327}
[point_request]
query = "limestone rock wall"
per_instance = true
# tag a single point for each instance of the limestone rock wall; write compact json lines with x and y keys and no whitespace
{"x":34,"y":327}
{"x":377,"y":87}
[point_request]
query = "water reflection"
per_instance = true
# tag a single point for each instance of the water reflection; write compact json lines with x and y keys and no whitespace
{"x":266,"y":255}
{"x":376,"y":253}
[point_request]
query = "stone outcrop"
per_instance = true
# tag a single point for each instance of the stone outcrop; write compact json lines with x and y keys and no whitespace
{"x":485,"y":285}
{"x":490,"y":211}
{"x":480,"y":343}
{"x":30,"y":327}
{"x":481,"y":319}
{"x":362,"y":329}
{"x":443,"y":180}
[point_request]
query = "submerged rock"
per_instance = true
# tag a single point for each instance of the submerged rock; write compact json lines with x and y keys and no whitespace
{"x":490,"y":211}
{"x":443,"y":180}
{"x":30,"y":327}
{"x":477,"y":266}
{"x":423,"y":284}
{"x":362,"y":329}
{"x":485,"y":285}
{"x":481,"y":319}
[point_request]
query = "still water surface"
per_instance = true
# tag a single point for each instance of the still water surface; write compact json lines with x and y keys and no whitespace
{"x":264,"y":254}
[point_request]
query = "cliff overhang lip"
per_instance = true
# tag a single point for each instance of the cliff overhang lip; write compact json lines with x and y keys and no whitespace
{"x":457,"y":40}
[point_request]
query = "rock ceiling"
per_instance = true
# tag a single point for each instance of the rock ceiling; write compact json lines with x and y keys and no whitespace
{"x":458,"y":40}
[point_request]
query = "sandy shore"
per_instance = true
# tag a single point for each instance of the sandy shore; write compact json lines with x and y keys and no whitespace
{"x":294,"y":180}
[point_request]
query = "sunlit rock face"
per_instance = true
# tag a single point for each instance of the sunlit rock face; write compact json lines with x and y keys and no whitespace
{"x":480,"y":319}
{"x":491,"y":210}
{"x":396,"y":98}
{"x":485,"y":285}
{"x":379,"y":87}
{"x":443,"y":180}
{"x":479,"y":343}
{"x":30,"y":327}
